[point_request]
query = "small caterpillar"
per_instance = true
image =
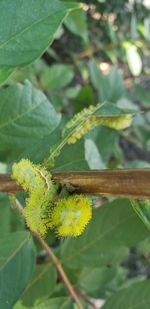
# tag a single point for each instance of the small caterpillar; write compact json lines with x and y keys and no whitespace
{"x":89,"y":118}
{"x":44,"y":210}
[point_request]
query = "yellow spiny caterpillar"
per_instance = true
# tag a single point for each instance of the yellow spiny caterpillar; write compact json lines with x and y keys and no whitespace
{"x":68,"y":216}
{"x":71,"y":215}
{"x":90,"y":118}
{"x":37,"y":181}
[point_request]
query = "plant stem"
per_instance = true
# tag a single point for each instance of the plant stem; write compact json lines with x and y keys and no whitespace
{"x":129,"y":183}
{"x":86,"y":299}
{"x":55,"y":262}
{"x":59,"y":268}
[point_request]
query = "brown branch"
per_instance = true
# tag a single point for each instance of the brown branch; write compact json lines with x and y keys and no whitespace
{"x":130,"y":183}
{"x":86,"y":299}
{"x":55,"y":262}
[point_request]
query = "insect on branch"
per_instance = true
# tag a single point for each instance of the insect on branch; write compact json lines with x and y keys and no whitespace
{"x":130,"y":183}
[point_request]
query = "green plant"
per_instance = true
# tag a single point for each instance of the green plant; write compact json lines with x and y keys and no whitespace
{"x":61,"y":113}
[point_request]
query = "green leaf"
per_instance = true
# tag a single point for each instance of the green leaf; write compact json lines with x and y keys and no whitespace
{"x":77,"y":24}
{"x":57,"y":76}
{"x":72,"y":157}
{"x":10,"y":220}
{"x":30,"y":72}
{"x":147,"y":28}
{"x":17,"y":258}
{"x":142,"y":94}
{"x":137,"y":164}
{"x":72,"y":92}
{"x":109,"y":87}
{"x":40,"y":149}
{"x":92,"y":155}
{"x":41,"y":286}
{"x":136,"y":296}
{"x":106,"y":140}
{"x":134,"y":60}
{"x":30,"y":28}
{"x":113,"y":226}
{"x":4,"y":74}
{"x":133,"y":26}
{"x":114,"y":81}
{"x":98,"y":80}
{"x":142,"y":208}
{"x":26,"y":117}
{"x":4,"y":215}
{"x":101,"y":282}
{"x":19,"y":305}
{"x":85,"y":98}
{"x":56,"y":303}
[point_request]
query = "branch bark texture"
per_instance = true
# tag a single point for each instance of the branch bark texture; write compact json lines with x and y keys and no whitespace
{"x":130,"y":183}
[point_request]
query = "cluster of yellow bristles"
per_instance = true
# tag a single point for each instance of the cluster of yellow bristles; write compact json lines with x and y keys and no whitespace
{"x":71,"y":215}
{"x":44,"y":210}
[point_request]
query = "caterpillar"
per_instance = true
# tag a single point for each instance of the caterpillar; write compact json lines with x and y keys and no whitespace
{"x":89,"y":118}
{"x":71,"y":215}
{"x":37,"y":181}
{"x":44,"y":209}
